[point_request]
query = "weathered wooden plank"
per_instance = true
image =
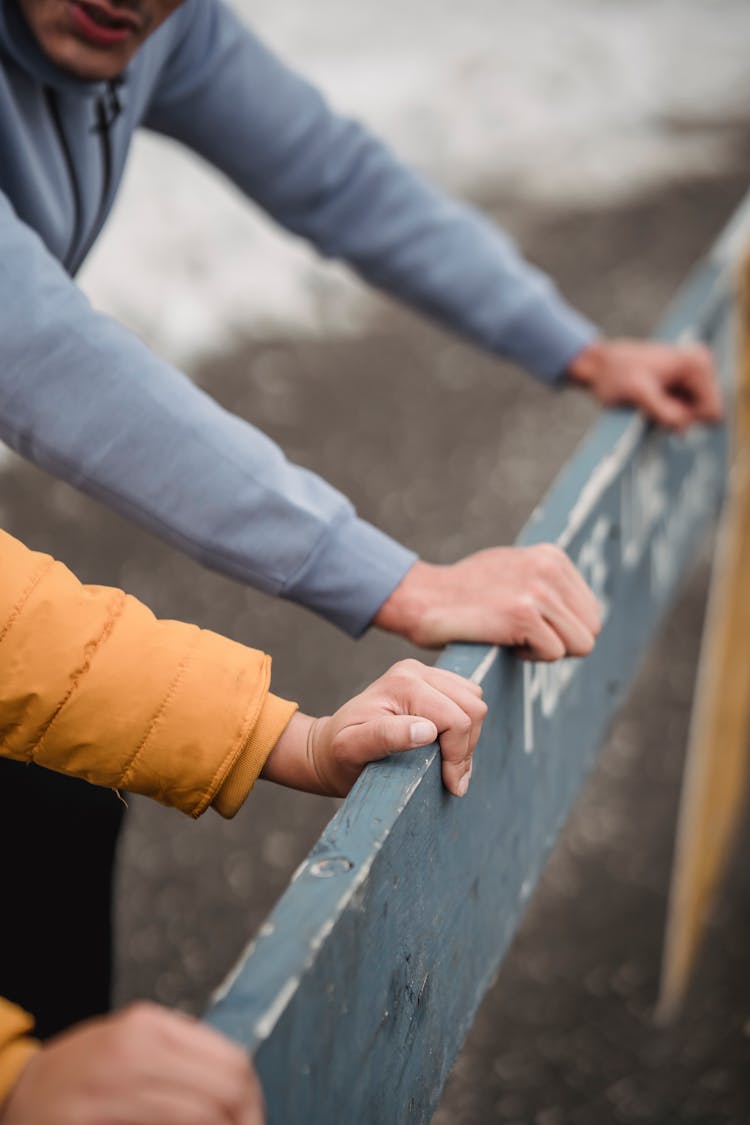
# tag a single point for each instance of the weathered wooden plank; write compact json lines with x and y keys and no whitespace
{"x":718,"y":757}
{"x":360,"y":988}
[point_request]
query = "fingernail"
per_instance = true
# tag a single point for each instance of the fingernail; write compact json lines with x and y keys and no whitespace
{"x":422,"y":733}
{"x":463,"y":785}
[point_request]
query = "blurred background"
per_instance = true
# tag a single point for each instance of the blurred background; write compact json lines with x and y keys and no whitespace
{"x":612,"y":137}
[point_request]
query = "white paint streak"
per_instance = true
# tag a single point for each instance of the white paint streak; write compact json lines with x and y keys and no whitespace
{"x":221,"y":991}
{"x":604,"y":474}
{"x":299,"y":870}
{"x":481,"y":670}
{"x":265,"y":1025}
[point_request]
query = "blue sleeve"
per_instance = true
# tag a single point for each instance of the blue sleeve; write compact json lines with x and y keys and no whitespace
{"x":326,"y":178}
{"x":86,"y":400}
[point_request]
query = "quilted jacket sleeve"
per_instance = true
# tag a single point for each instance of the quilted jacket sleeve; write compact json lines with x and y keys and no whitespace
{"x":95,"y":686}
{"x":16,"y":1045}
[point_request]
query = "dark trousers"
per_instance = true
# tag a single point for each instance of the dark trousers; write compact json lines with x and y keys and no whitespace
{"x":58,"y":838}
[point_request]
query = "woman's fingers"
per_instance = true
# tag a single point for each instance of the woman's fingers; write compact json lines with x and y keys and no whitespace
{"x":413,"y":705}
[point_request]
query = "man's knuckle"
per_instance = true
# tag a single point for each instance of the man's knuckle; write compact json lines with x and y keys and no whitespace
{"x":549,"y":560}
{"x":539,"y":590}
{"x":524,"y":611}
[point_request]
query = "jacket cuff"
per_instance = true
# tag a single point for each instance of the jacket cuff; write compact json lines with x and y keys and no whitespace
{"x":271,"y":724}
{"x":349,"y":575}
{"x":16,"y":1046}
{"x":545,"y":336}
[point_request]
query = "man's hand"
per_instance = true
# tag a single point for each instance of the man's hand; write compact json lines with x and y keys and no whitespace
{"x":145,"y":1065}
{"x":531,"y":598}
{"x":674,"y":385}
{"x":410,"y":706}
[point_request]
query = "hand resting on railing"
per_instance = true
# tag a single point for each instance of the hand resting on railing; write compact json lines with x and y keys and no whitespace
{"x":145,"y":1064}
{"x":674,"y":385}
{"x":410,"y":706}
{"x":530,"y":598}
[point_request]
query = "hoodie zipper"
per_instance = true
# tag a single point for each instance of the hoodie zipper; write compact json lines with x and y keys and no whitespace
{"x":54,"y":112}
{"x":108,"y":109}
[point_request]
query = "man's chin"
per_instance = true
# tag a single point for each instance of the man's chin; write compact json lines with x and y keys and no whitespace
{"x":87,"y":63}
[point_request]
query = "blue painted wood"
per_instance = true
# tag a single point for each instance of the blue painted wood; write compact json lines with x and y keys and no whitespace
{"x":361,"y":986}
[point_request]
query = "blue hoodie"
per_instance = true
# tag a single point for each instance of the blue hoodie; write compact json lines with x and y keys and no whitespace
{"x":86,"y":400}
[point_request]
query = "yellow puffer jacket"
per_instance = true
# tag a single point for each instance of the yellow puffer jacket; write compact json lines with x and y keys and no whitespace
{"x":93,"y":685}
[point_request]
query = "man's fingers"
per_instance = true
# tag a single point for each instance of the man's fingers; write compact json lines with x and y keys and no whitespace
{"x":674,"y":385}
{"x":538,"y":640}
{"x":660,"y":406}
{"x":495,"y":597}
{"x":576,"y":636}
{"x":697,"y":380}
{"x":565,"y":581}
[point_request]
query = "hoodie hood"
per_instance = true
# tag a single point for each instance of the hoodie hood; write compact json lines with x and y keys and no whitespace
{"x":17,"y":41}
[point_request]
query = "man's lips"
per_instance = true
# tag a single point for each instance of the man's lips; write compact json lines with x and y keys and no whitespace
{"x":101,"y":23}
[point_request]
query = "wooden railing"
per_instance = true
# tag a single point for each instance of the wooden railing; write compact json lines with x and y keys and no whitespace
{"x":357,"y":994}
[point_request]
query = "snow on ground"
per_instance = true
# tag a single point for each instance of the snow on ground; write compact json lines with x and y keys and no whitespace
{"x":563,"y":101}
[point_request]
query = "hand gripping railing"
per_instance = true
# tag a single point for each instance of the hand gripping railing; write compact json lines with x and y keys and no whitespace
{"x":359,"y":990}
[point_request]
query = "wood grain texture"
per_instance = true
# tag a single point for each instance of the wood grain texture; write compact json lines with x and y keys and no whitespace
{"x":358,"y":992}
{"x":718,"y":757}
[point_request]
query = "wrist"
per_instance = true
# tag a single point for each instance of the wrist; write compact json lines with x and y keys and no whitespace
{"x":288,"y":764}
{"x":318,"y":752}
{"x":403,"y":610}
{"x":14,"y":1063}
{"x":585,"y":368}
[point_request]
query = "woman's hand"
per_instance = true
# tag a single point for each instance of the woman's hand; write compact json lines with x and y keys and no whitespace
{"x":412,"y":705}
